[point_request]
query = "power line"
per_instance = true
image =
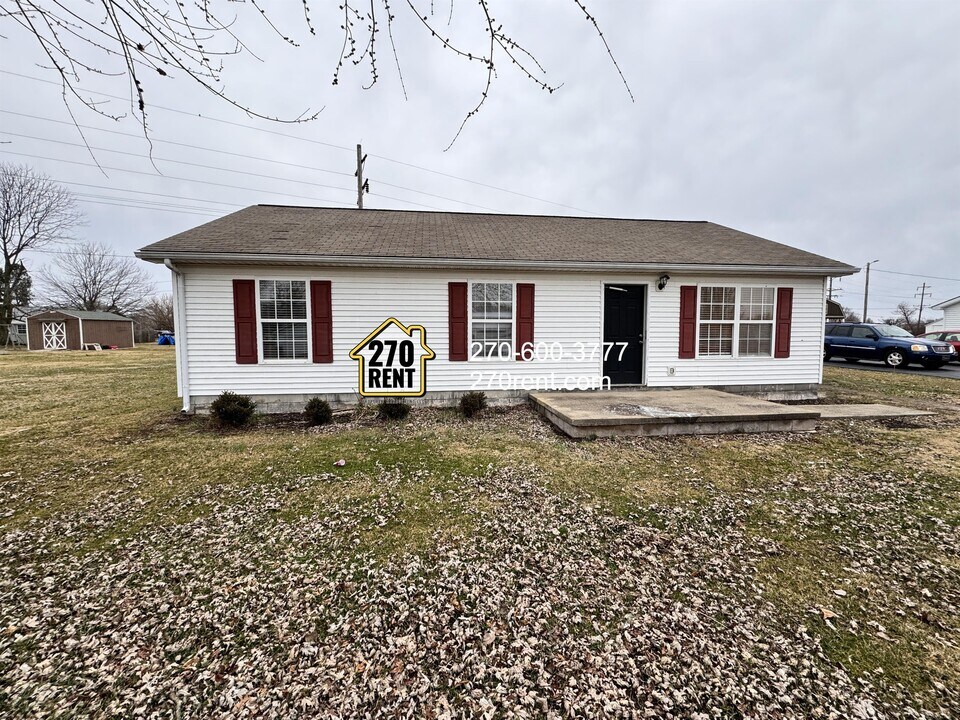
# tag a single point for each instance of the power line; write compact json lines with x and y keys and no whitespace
{"x":177,"y":162}
{"x":481,"y":184}
{"x":74,"y":252}
{"x":889,"y":294}
{"x":144,"y":192}
{"x":206,"y":182}
{"x":231,"y":154}
{"x":139,"y":201}
{"x":928,"y":277}
{"x":318,"y":142}
{"x":241,"y":172}
{"x":183,"y":112}
{"x":179,"y":144}
{"x":439,"y":197}
{"x":205,"y":213}
{"x":171,"y":177}
{"x":409,"y":202}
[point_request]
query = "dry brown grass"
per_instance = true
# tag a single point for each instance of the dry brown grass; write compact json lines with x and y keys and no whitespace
{"x":78,"y":427}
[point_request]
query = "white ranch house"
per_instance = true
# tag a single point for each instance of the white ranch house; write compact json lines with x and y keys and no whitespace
{"x":271,"y":301}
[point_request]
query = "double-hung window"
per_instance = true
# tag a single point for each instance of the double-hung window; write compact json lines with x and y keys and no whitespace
{"x":717,"y":313}
{"x":283,"y":319}
{"x":491,"y":318}
{"x":756,"y":321}
{"x":736,"y":321}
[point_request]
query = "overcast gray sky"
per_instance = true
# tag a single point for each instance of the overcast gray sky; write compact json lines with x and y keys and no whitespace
{"x":834,"y":127}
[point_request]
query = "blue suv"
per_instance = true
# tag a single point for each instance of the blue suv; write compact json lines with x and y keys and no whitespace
{"x":895,"y":346}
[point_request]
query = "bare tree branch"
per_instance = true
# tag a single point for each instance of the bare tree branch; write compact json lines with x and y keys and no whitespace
{"x":151,"y":39}
{"x":92,"y":277}
{"x":34,"y":212}
{"x":154,"y":316}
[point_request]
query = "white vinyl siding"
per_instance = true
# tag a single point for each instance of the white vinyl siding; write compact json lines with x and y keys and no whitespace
{"x":804,"y":365}
{"x":951,"y":317}
{"x":568,"y":311}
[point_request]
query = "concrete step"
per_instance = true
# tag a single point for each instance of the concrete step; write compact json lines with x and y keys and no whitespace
{"x":669,"y":412}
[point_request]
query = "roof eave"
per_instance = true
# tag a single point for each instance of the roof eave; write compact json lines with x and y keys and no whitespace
{"x":483,"y":264}
{"x":946,"y":303}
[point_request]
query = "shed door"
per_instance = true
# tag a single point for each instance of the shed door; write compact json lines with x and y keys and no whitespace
{"x":623,"y":333}
{"x":54,"y":336}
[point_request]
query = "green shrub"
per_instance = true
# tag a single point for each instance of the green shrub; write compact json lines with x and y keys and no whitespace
{"x":317,"y":411}
{"x":472,"y":403}
{"x":392,"y":410}
{"x":232,"y":410}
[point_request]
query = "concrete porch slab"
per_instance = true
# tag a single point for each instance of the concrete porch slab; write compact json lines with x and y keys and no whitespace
{"x":867,"y":412}
{"x":643,"y":412}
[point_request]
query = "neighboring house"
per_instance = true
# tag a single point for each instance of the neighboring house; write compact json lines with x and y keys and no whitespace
{"x":270,"y":301}
{"x":835,"y":311}
{"x":18,"y":332}
{"x":18,"y":325}
{"x":951,"y":315}
{"x":77,"y":329}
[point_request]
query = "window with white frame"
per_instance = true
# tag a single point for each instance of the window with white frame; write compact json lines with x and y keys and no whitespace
{"x":756,"y":321}
{"x":283,"y":319}
{"x":736,"y":319}
{"x":491,"y":320}
{"x":717,"y":313}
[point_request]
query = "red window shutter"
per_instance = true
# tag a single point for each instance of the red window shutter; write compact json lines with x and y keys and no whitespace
{"x":524,"y":317}
{"x":321,"y":313}
{"x":784,"y":322}
{"x":245,"y":321}
{"x":457,"y":316}
{"x":688,"y":321}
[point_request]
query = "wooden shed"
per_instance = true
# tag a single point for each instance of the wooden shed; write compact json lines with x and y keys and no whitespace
{"x":78,"y":329}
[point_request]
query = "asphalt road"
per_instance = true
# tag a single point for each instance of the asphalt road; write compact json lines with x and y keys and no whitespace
{"x":950,"y":370}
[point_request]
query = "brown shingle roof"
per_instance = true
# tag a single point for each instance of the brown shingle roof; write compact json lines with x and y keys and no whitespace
{"x":84,"y":314}
{"x":394,"y":234}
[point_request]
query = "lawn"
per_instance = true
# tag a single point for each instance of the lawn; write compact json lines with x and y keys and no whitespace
{"x":151,"y":565}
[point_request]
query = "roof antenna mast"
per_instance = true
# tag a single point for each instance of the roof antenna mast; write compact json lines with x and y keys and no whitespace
{"x":363,"y":186}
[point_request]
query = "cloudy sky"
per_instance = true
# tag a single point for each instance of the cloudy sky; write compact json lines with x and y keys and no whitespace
{"x":834,"y":127}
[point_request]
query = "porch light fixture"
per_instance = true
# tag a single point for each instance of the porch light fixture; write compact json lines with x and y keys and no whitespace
{"x":662,"y":281}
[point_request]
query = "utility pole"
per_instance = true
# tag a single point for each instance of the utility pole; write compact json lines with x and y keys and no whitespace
{"x":866,"y":290}
{"x":362,"y":185}
{"x":831,"y":291}
{"x":922,"y":295}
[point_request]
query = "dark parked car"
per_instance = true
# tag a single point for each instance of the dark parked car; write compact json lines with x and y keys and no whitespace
{"x":949,"y":336}
{"x":889,"y":343}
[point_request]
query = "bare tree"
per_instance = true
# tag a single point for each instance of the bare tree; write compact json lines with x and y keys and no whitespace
{"x":905,"y":317}
{"x":143,"y":40}
{"x":92,"y":277}
{"x":154,"y":316}
{"x":850,"y":315}
{"x":34,"y":212}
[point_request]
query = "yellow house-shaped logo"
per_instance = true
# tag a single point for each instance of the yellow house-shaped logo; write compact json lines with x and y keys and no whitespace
{"x":392,"y":360}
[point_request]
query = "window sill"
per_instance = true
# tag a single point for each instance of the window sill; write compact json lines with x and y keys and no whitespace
{"x":288,"y":362}
{"x":734,"y":357}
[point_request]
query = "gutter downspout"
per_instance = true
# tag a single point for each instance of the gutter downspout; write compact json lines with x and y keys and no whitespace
{"x":180,"y":333}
